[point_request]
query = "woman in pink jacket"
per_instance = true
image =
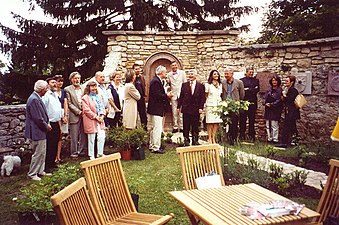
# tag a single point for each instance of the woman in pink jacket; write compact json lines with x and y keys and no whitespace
{"x":93,"y":116}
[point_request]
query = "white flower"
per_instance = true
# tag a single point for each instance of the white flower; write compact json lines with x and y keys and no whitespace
{"x":225,"y":113}
{"x":14,"y":199}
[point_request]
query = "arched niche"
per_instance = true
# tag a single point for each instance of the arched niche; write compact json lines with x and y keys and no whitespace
{"x":152,"y":62}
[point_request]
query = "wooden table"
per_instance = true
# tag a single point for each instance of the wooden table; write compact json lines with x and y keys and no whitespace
{"x":218,"y":206}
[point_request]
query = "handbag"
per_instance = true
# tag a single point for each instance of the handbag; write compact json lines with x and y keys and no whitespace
{"x":300,"y":101}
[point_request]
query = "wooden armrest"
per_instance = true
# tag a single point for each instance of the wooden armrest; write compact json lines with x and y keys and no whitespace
{"x":163,"y":220}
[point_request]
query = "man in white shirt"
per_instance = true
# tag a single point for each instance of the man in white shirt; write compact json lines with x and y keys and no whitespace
{"x":54,"y":111}
{"x":176,"y":77}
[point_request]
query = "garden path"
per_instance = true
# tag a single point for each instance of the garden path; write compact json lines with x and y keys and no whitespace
{"x":314,"y":178}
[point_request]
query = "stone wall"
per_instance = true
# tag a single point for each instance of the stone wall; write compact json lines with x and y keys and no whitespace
{"x":207,"y":50}
{"x":12,"y":126}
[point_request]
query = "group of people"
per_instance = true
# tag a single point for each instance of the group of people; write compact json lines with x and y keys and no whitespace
{"x":85,"y":111}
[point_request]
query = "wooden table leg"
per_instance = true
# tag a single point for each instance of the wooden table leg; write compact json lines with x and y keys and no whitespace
{"x":193,"y":219}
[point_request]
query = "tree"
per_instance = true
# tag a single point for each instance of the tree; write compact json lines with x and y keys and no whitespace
{"x":292,"y":20}
{"x":74,"y":40}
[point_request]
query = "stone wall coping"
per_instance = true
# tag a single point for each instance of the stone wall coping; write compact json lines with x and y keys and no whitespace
{"x":170,"y":33}
{"x":5,"y":107}
{"x":286,"y":44}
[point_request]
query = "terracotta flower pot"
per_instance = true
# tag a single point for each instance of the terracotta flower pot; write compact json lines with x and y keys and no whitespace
{"x":126,"y":154}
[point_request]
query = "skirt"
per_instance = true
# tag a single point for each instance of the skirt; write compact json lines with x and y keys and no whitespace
{"x":211,"y":117}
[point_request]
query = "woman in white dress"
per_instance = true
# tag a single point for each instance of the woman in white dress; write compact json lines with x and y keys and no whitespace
{"x":213,"y":89}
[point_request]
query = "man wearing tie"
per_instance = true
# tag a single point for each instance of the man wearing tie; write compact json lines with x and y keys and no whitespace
{"x":191,"y":103}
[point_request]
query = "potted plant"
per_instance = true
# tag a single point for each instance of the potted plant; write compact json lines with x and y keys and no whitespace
{"x":133,"y":184}
{"x":34,"y":205}
{"x":138,"y":140}
{"x":119,"y":138}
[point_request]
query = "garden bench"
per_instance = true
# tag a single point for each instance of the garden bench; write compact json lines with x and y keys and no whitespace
{"x":196,"y":161}
{"x":110,"y":195}
{"x":73,"y":205}
{"x":329,"y":201}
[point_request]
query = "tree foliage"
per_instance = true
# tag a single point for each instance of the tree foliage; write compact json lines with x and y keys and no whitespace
{"x":74,"y":40}
{"x":292,"y":20}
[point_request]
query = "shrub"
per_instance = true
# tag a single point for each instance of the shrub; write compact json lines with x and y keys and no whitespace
{"x":36,"y":197}
{"x":275,"y":171}
{"x":270,"y":150}
{"x":298,"y":178}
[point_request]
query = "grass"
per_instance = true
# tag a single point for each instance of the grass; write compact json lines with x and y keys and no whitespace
{"x":152,"y":178}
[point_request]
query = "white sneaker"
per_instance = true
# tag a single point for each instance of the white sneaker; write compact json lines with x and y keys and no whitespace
{"x":100,"y":155}
{"x":36,"y":178}
{"x":91,"y":157}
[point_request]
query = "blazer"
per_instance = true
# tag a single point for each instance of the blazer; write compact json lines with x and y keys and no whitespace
{"x":74,"y":105}
{"x":238,"y":92}
{"x":89,"y":115}
{"x":291,"y":111}
{"x":157,"y":101}
{"x":189,"y":103}
{"x":36,"y":118}
{"x":251,"y":86}
{"x":176,"y":82}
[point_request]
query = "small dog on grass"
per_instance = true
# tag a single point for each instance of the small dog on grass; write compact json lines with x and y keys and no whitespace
{"x":10,"y":162}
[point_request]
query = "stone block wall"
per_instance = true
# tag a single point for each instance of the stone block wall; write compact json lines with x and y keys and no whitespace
{"x":12,"y":126}
{"x":207,"y":50}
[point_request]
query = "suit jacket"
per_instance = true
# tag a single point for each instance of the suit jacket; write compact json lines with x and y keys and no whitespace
{"x":143,"y":85}
{"x":158,"y":101}
{"x":176,"y":82}
{"x":238,"y":92}
{"x":251,"y":86}
{"x":189,"y":103}
{"x":36,"y":118}
{"x":74,"y":105}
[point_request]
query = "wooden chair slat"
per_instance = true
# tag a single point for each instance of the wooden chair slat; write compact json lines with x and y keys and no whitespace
{"x":110,"y":195}
{"x":196,"y":161}
{"x":73,"y":205}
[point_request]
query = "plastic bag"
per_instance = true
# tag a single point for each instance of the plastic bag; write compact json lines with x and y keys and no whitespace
{"x":300,"y":101}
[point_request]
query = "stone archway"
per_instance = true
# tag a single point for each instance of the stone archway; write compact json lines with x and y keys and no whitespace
{"x":156,"y":59}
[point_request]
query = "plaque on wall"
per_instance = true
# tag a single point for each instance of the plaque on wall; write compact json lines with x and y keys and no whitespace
{"x":333,"y":83}
{"x":264,"y":78}
{"x":303,"y":82}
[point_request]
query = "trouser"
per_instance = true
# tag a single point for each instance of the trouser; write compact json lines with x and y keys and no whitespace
{"x":191,"y":122}
{"x":100,"y":142}
{"x":177,"y":116}
{"x":52,"y":146}
{"x":142,"y":112}
{"x":233,"y":128}
{"x":38,"y":158}
{"x":78,"y":137}
{"x":115,"y":121}
{"x":272,"y":130}
{"x":290,"y":127}
{"x":155,"y":134}
{"x":250,"y":114}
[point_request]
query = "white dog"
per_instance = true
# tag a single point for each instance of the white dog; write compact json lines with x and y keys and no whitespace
{"x":9,"y":163}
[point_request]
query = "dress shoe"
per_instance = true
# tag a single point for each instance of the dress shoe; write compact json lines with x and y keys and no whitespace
{"x":195,"y":143}
{"x":100,"y":155}
{"x":281,"y":146}
{"x":74,"y":156}
{"x":174,"y":131}
{"x":45,"y":174}
{"x":36,"y":178}
{"x":160,"y":151}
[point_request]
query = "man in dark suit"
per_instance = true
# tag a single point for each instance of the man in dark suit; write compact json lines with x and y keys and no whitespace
{"x":158,"y":102}
{"x":36,"y":129}
{"x":191,"y":103}
{"x":251,"y":87}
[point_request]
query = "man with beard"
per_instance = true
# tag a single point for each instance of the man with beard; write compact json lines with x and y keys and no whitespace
{"x":76,"y":129}
{"x":54,"y":111}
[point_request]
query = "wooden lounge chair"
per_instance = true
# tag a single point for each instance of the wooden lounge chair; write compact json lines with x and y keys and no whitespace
{"x":73,"y":205}
{"x":110,"y":195}
{"x":196,"y":161}
{"x":329,"y":201}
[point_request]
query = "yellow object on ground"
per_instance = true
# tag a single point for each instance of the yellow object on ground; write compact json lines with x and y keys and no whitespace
{"x":335,"y":133}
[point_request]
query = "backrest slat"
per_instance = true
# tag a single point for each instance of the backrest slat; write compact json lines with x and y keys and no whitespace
{"x":108,"y":188}
{"x":196,"y":161}
{"x":329,"y":201}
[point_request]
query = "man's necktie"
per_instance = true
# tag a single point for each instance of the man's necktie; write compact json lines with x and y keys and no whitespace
{"x":191,"y":84}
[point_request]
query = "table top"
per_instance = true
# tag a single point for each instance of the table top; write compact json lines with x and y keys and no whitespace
{"x":221,"y":205}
